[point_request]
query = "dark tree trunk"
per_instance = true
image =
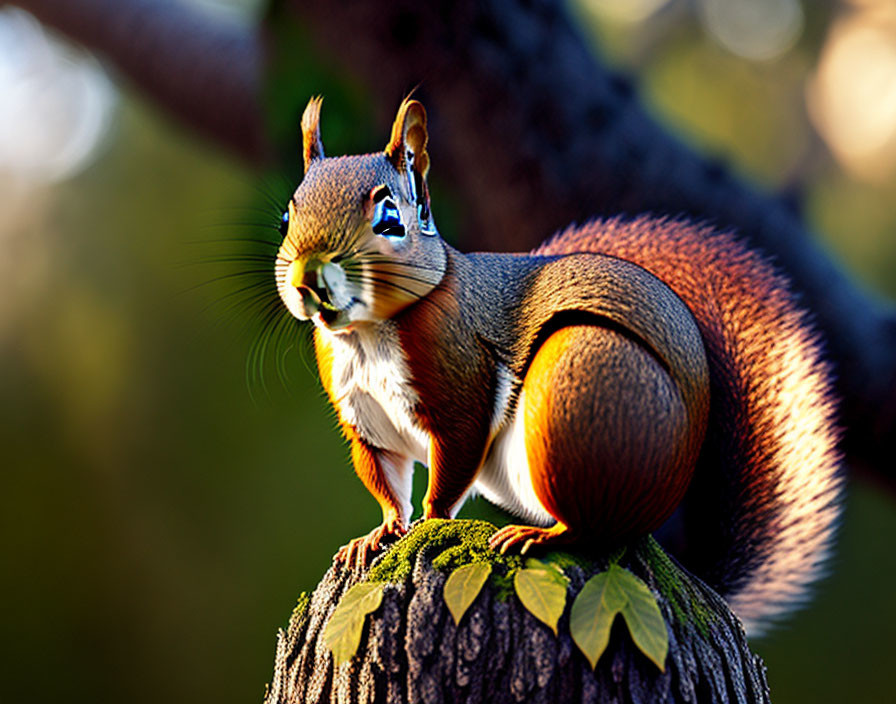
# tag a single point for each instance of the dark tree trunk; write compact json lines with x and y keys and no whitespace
{"x":411,"y":650}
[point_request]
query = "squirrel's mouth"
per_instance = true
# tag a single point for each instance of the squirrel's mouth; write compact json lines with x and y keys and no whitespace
{"x":333,"y":320}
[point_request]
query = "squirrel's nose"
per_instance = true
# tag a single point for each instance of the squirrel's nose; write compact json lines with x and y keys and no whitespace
{"x":306,"y":278}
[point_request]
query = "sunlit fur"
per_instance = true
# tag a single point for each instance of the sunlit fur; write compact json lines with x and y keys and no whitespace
{"x":312,"y":144}
{"x":375,"y":400}
{"x":418,"y":343}
{"x":774,"y":451}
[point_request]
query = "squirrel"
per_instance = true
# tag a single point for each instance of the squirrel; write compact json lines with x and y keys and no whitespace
{"x":628,"y":376}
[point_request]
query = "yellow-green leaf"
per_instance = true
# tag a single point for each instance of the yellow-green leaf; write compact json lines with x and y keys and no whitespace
{"x":343,"y":632}
{"x":643,"y":618}
{"x":536,"y":564}
{"x":542,"y":591}
{"x":463,"y":586}
{"x":609,"y":593}
{"x":592,"y":614}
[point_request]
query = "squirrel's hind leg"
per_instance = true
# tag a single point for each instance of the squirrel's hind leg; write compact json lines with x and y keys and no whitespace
{"x":607,"y":441}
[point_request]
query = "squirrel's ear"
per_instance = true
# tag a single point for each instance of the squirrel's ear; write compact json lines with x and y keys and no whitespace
{"x":407,"y":147}
{"x":312,"y":146}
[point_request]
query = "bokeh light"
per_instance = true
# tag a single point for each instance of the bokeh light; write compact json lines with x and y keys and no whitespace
{"x":625,"y":10}
{"x":57,"y":102}
{"x":852,"y":96}
{"x":759,"y":29}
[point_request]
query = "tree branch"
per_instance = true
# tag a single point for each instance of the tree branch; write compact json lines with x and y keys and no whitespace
{"x":532,"y":131}
{"x":205,"y":73}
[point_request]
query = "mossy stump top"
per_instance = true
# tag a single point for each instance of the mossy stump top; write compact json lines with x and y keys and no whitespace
{"x":410,"y":650}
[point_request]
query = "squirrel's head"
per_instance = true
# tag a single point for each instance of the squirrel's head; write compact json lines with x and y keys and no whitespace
{"x":359,"y":240}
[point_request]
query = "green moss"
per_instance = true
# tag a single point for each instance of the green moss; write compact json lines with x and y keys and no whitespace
{"x":300,"y":608}
{"x":502,"y":585}
{"x":461,"y":541}
{"x":675,"y":587}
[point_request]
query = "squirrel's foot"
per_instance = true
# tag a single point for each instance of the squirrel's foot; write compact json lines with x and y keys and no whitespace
{"x":510,"y":536}
{"x":359,"y":552}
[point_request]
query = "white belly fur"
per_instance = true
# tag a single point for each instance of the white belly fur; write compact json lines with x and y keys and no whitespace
{"x":370,"y":384}
{"x":504,"y":478}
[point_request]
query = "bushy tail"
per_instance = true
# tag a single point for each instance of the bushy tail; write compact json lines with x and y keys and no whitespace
{"x":760,"y":515}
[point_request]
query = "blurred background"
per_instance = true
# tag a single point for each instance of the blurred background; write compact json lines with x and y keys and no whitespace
{"x":169,"y":485}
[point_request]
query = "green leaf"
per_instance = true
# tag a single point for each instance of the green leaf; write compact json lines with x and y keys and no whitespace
{"x":592,"y":615}
{"x":613,"y":592}
{"x":542,"y":590}
{"x":532,"y":563}
{"x":617,"y":555}
{"x":643,"y":617}
{"x":343,"y":632}
{"x":463,"y":586}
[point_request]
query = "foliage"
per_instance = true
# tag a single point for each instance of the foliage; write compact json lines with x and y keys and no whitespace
{"x":463,"y":586}
{"x":618,"y":591}
{"x":343,"y":632}
{"x":542,"y":590}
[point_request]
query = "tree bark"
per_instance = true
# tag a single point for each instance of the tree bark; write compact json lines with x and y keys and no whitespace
{"x":411,"y":650}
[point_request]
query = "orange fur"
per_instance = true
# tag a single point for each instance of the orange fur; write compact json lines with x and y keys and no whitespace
{"x":586,"y":381}
{"x":368,"y":468}
{"x":604,"y":409}
{"x":759,"y":519}
{"x":365,"y":461}
{"x":409,"y":132}
{"x":324,"y":353}
{"x":312,"y":145}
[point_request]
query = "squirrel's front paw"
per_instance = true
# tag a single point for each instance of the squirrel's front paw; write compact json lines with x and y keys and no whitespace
{"x":359,"y":552}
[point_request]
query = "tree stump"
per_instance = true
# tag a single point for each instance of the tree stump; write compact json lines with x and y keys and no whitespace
{"x":411,"y":650}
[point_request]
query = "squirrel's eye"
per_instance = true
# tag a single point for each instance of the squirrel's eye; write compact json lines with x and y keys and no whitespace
{"x":284,"y":222}
{"x":386,"y":219}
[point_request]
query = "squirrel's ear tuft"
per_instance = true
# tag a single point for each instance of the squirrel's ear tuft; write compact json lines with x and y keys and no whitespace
{"x":312,"y":146}
{"x":407,"y":147}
